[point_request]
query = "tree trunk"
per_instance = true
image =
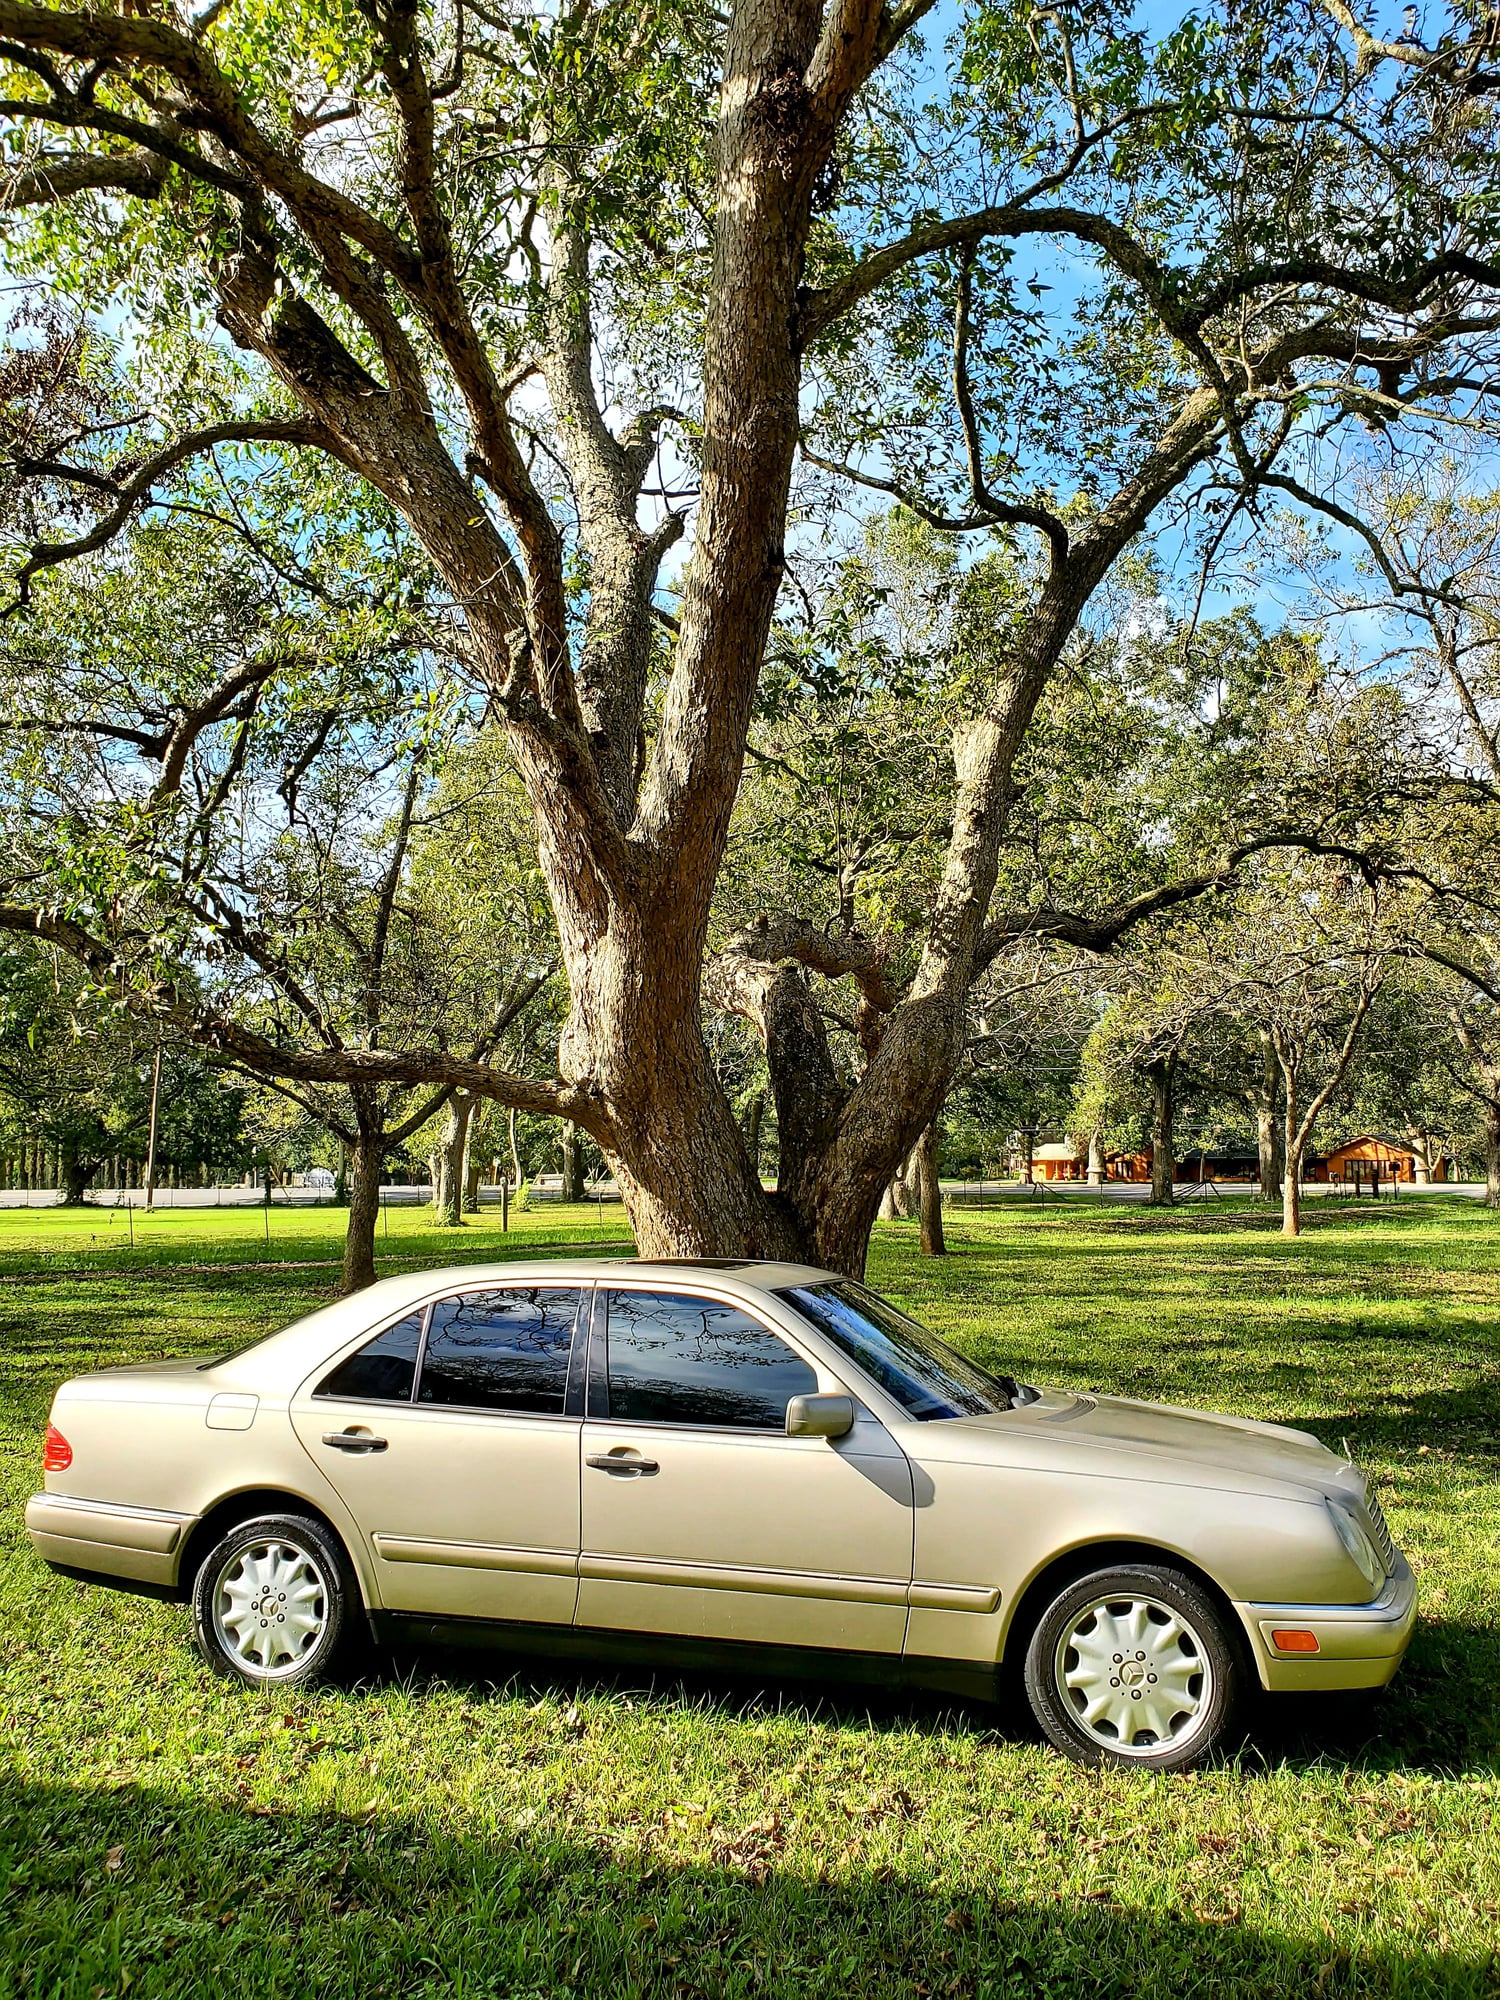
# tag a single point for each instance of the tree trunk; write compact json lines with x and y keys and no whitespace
{"x":572,"y":1162}
{"x":151,"y":1139}
{"x":901,"y":1199}
{"x":73,"y":1175}
{"x":448,"y":1196}
{"x":1421,"y":1171}
{"x":1292,"y":1149}
{"x":515,"y":1157}
{"x":1268,"y":1136}
{"x":1492,"y":1152}
{"x":930,"y":1194}
{"x":1163,"y":1077}
{"x":473,"y":1167}
{"x":1096,"y":1159}
{"x":754,"y":1120}
{"x":366,"y":1157}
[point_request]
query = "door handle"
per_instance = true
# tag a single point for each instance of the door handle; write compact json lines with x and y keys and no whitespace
{"x":354,"y":1441}
{"x":614,"y":1461}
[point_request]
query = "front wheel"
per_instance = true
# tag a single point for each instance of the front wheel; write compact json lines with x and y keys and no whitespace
{"x":1134,"y":1665}
{"x":274,"y":1602}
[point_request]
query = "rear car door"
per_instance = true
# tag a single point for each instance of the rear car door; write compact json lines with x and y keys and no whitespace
{"x":701,"y":1517}
{"x":452,"y":1436}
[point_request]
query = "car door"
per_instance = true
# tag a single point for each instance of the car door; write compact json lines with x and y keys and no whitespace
{"x":701,"y":1517}
{"x":453,"y":1441}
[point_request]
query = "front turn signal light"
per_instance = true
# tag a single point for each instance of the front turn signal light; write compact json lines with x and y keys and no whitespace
{"x":57,"y":1453}
{"x":1295,"y":1642}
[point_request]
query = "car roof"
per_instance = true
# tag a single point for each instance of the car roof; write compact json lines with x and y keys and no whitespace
{"x":764,"y":1274}
{"x":378,"y":1304}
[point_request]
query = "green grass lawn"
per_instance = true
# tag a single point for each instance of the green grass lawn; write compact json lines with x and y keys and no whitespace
{"x":463,"y":1827}
{"x":100,"y":1238}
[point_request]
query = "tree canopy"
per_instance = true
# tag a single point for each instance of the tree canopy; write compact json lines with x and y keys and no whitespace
{"x":554,"y":343}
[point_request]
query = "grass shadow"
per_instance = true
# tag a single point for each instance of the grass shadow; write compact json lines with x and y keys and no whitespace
{"x":148,"y":1890}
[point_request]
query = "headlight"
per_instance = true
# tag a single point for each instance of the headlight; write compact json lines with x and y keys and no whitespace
{"x":1362,"y":1550}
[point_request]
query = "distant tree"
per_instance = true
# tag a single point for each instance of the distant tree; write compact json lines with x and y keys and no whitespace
{"x":76,"y":1076}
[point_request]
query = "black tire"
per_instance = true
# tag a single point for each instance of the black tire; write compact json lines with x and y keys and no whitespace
{"x":1176,"y":1695}
{"x":280,"y":1586}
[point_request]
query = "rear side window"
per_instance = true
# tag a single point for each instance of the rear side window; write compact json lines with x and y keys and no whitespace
{"x":680,"y":1360}
{"x":503,"y":1350}
{"x":383,"y":1370}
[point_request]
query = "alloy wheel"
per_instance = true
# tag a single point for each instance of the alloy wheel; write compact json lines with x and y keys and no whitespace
{"x":1135,"y":1674}
{"x":271,"y":1608}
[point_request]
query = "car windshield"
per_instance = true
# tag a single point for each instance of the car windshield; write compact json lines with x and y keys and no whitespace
{"x":919,"y":1371}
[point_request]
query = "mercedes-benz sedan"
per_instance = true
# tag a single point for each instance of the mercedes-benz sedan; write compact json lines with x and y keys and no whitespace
{"x":722,"y":1463}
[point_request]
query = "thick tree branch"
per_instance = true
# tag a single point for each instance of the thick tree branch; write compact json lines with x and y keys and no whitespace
{"x":168,"y":1006}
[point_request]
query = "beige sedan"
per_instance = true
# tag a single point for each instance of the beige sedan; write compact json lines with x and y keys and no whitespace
{"x":722,"y":1463}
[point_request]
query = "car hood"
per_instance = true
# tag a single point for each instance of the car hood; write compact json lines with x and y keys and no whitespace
{"x":1156,"y":1440}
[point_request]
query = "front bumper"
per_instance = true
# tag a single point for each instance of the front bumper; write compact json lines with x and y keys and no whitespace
{"x":130,"y":1544}
{"x":1359,"y":1645}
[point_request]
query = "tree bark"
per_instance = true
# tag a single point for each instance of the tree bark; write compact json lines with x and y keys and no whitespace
{"x":1492,"y":1152}
{"x":1096,"y":1158}
{"x":366,"y":1158}
{"x":930,"y":1194}
{"x":1162,"y":1074}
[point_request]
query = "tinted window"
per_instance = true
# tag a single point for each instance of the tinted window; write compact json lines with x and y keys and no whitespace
{"x":501,"y":1350}
{"x":678,"y":1360}
{"x":916,"y":1369}
{"x":382,"y":1371}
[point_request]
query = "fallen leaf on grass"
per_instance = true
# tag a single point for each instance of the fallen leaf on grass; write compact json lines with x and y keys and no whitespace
{"x":114,"y":1859}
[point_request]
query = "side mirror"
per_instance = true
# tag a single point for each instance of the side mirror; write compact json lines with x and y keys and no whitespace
{"x":819,"y":1416}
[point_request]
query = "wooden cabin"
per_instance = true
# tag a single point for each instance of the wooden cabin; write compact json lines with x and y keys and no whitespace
{"x":1371,"y":1159}
{"x":1221,"y":1166}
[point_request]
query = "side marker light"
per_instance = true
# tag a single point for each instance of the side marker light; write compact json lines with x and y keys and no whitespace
{"x":1295,"y":1642}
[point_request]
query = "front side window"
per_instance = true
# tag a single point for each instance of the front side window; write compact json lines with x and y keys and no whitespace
{"x":501,"y":1350}
{"x":923,"y":1374}
{"x":680,"y":1360}
{"x":383,"y":1370}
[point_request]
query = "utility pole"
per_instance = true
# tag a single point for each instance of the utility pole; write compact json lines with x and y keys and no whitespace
{"x":151,"y":1138}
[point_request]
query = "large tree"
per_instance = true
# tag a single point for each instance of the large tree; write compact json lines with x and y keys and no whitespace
{"x":561,"y":283}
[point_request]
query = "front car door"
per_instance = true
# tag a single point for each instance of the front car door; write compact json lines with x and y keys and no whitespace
{"x":452,"y":1437}
{"x":701,"y":1517}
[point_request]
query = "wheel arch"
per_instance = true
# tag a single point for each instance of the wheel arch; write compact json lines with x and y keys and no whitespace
{"x":244,"y":1506}
{"x":1055,"y":1576}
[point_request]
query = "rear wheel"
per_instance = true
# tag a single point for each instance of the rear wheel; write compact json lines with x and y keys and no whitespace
{"x":275,"y":1603}
{"x":1135,"y":1665}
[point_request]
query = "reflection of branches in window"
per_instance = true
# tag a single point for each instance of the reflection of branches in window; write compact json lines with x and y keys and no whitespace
{"x":691,"y":1332}
{"x":494,"y":1322}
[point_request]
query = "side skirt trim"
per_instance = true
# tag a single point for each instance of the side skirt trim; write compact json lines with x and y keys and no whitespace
{"x":594,"y":1645}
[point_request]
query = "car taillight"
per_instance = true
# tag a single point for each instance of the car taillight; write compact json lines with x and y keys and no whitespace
{"x":57,"y":1453}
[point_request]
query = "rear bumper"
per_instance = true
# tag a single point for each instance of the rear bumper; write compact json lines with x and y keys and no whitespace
{"x":1359,"y":1645}
{"x":131,"y":1544}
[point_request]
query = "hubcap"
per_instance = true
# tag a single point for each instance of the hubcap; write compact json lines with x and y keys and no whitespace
{"x":1135,"y":1673}
{"x":271,"y":1608}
